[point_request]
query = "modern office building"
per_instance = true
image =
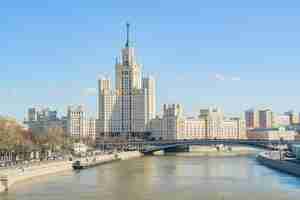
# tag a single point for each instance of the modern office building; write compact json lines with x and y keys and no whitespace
{"x":127,"y":109}
{"x":262,"y":118}
{"x":74,"y":124}
{"x":252,"y":118}
{"x":265,"y":118}
{"x":41,"y":120}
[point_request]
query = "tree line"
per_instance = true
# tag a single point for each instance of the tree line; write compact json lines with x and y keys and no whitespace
{"x":14,"y":137}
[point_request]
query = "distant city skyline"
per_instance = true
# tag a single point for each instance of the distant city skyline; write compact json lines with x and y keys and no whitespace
{"x":229,"y":54}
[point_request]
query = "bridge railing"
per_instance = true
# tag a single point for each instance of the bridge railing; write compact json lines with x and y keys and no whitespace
{"x":202,"y":141}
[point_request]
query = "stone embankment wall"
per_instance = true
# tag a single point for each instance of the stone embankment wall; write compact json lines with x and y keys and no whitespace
{"x":129,"y":155}
{"x":16,"y":175}
{"x":281,"y":165}
{"x":20,"y":174}
{"x":98,"y":159}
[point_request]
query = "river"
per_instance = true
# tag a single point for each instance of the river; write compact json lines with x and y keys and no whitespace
{"x":166,"y":178}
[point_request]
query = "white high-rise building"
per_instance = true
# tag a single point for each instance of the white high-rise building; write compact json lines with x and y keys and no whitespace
{"x":92,"y":124}
{"x":77,"y":123}
{"x":128,"y":109}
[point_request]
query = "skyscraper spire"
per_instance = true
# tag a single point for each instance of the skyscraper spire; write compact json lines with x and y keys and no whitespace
{"x":127,"y":38}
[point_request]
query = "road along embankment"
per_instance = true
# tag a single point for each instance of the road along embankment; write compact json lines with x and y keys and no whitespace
{"x":8,"y":177}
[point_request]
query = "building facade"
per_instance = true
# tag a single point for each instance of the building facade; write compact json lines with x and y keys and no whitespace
{"x":293,"y":117}
{"x":265,"y":118}
{"x":92,"y":127}
{"x":41,"y":120}
{"x":280,"y":120}
{"x":211,"y":124}
{"x":272,"y":134}
{"x":77,"y":122}
{"x":127,"y":109}
{"x":252,"y":118}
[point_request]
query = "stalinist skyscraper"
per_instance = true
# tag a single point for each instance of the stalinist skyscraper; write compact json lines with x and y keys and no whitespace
{"x":126,"y":110}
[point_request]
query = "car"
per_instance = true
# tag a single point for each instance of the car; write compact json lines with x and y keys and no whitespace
{"x":60,"y":158}
{"x":51,"y":158}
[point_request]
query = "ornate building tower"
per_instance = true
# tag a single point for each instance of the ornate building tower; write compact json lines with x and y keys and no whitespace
{"x":128,"y":72}
{"x":128,"y":110}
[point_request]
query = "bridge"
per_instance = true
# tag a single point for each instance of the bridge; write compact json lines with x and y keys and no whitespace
{"x":177,"y":147}
{"x":148,"y":147}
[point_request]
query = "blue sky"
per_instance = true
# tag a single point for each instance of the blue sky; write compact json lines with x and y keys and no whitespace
{"x":234,"y":54}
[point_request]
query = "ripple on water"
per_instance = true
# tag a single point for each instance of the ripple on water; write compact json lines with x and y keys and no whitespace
{"x":164,"y":177}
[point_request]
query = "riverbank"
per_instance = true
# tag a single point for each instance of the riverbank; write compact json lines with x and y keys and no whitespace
{"x":12,"y":176}
{"x":270,"y":159}
{"x":213,"y":151}
{"x":15,"y":175}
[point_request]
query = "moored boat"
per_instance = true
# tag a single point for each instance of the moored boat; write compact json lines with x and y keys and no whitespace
{"x":82,"y":164}
{"x":288,"y":166}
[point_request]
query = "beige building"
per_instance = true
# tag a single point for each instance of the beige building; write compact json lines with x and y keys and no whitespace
{"x":271,"y":134}
{"x":128,"y":109}
{"x":77,"y":123}
{"x":172,"y":115}
{"x":293,"y":117}
{"x":210,"y":124}
{"x":192,"y":128}
{"x":155,"y":127}
{"x":233,"y":128}
{"x":281,"y":120}
{"x":92,"y":127}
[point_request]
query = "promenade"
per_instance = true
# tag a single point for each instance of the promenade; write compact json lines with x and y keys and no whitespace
{"x":10,"y":176}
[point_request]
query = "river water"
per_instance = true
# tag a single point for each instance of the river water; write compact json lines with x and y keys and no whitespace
{"x":166,"y":178}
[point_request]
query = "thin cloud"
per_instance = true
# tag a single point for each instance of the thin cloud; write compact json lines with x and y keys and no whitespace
{"x":236,"y":78}
{"x":100,"y":76}
{"x":103,"y":76}
{"x":90,"y":92}
{"x":56,"y":92}
{"x":219,"y":77}
{"x":181,"y":78}
{"x":222,"y":77}
{"x":12,"y":92}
